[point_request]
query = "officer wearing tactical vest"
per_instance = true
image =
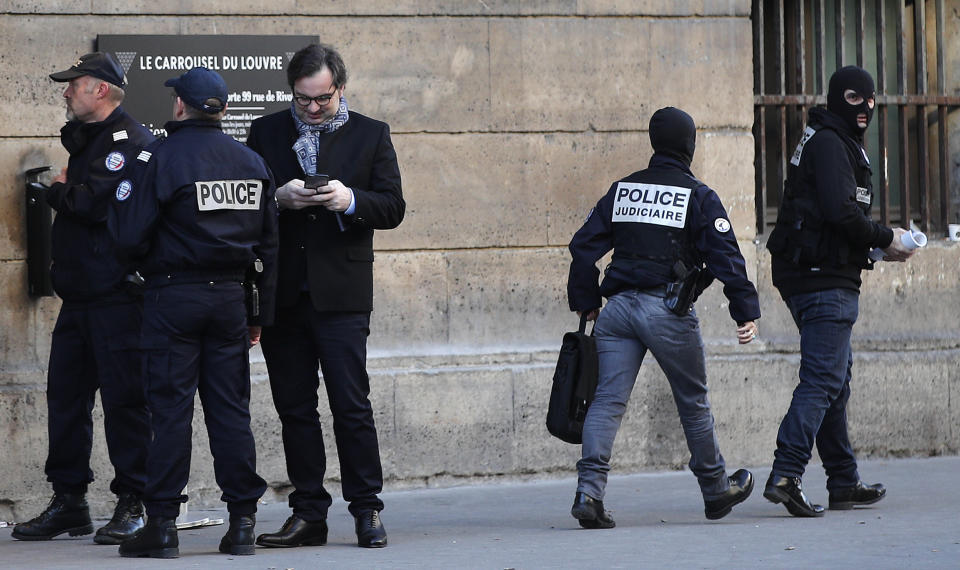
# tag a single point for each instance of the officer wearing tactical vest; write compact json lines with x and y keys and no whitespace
{"x":819,"y":247}
{"x":197,"y":217}
{"x":670,"y":237}
{"x":95,"y":339}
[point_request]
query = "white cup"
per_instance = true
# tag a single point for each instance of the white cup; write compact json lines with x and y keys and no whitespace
{"x":913,"y":239}
{"x":954,"y":231}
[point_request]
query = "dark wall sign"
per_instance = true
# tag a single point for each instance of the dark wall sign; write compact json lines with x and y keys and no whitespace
{"x":254,"y":68}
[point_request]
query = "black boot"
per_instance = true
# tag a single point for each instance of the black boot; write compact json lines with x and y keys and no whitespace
{"x":859,"y":494}
{"x":590,"y":513}
{"x":67,"y":512}
{"x":789,"y":491}
{"x":126,"y":522}
{"x":158,"y":539}
{"x":741,"y":485}
{"x":239,"y":537}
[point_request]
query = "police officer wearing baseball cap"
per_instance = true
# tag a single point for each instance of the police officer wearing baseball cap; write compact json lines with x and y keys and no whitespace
{"x":94,"y":343}
{"x":97,"y":64}
{"x":197,"y":217}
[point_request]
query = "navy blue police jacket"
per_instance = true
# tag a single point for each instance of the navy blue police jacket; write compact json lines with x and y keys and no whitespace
{"x":85,"y":265}
{"x":200,"y":207}
{"x":706,"y":229}
{"x":824,"y":230}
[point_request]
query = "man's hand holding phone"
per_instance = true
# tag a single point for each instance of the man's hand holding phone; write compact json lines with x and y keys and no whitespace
{"x":317,"y":182}
{"x":334,"y":196}
{"x":316,"y":190}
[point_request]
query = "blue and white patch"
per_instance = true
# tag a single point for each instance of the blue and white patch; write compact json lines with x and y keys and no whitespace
{"x":807,"y":135}
{"x":651,"y":204}
{"x":120,"y":136}
{"x":115,"y":161}
{"x":864,"y":196}
{"x":124,"y":189}
{"x":144,"y":156}
{"x":589,"y":215}
{"x":722,"y":225}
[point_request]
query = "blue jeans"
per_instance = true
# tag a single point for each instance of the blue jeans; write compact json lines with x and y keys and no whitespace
{"x":632,"y":323}
{"x":818,"y":411}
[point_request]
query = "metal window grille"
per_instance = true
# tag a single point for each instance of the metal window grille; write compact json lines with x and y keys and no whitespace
{"x":797,"y":44}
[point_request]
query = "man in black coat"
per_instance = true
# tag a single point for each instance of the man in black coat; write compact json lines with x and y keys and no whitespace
{"x":94,"y":343}
{"x":325,"y":289}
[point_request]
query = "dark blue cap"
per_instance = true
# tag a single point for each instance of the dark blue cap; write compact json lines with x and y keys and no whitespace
{"x":198,"y":85}
{"x":97,"y":64}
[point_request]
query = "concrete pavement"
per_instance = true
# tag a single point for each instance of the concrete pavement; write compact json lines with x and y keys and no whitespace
{"x":659,"y":516}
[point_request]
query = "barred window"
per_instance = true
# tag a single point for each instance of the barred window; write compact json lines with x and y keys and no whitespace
{"x":798,"y":44}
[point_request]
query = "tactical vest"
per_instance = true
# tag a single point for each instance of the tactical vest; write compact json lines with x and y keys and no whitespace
{"x":651,"y":228}
{"x":800,"y":235}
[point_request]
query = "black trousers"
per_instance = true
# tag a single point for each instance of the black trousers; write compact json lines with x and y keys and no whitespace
{"x":94,"y":345}
{"x":302,"y":341}
{"x":195,"y":337}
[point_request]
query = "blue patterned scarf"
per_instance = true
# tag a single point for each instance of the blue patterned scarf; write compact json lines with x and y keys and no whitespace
{"x":308,"y":144}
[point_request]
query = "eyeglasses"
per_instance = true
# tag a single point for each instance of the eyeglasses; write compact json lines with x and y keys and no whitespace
{"x":320,"y":100}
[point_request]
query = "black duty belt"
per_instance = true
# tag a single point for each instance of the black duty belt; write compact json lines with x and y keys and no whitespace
{"x":192,"y":276}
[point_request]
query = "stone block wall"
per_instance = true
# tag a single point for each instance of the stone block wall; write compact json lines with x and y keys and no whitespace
{"x":510,"y":119}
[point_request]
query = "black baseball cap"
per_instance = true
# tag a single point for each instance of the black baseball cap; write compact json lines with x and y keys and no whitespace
{"x":198,"y":85}
{"x":97,"y":64}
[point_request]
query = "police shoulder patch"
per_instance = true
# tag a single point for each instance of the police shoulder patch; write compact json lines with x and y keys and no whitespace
{"x":120,"y":136}
{"x":124,"y":189}
{"x":808,"y":133}
{"x":144,"y":156}
{"x":115,"y":161}
{"x":722,"y":225}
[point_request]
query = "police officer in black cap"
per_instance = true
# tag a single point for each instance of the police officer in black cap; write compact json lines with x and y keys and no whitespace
{"x":670,"y":236}
{"x":819,"y":247}
{"x":202,"y":221}
{"x":94,"y":340}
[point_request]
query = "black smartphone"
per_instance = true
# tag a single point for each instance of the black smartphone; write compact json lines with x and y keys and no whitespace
{"x":316,"y":181}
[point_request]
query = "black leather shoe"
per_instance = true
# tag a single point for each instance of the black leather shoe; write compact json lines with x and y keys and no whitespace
{"x":789,"y":491}
{"x":126,"y":522}
{"x":239,"y":537}
{"x":741,"y":485}
{"x":370,"y":531}
{"x":158,"y":539}
{"x":296,"y":532}
{"x":589,"y":512}
{"x":67,"y":512}
{"x":859,"y":494}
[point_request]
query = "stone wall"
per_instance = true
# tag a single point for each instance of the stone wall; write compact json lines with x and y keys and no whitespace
{"x":510,"y":119}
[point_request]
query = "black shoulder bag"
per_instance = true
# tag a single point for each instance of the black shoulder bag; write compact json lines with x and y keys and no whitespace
{"x":574,"y":384}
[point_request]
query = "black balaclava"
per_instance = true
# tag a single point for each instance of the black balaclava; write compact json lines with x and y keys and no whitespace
{"x":672,"y":133}
{"x":856,"y":78}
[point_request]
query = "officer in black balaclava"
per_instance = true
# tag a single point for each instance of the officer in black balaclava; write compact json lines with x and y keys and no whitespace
{"x":663,"y":225}
{"x":818,"y":249}
{"x":673,"y":134}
